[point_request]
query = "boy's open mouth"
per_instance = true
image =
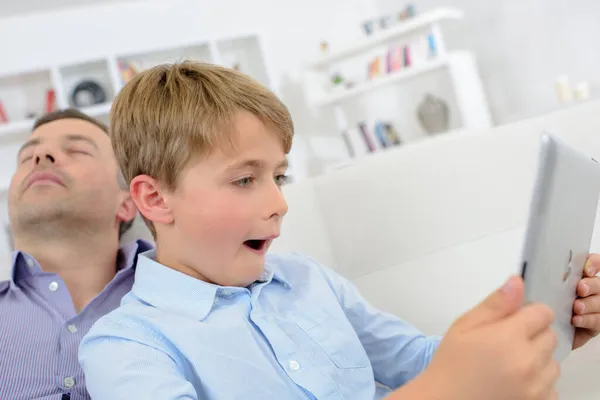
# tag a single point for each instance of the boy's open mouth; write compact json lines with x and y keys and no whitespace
{"x":255,"y":244}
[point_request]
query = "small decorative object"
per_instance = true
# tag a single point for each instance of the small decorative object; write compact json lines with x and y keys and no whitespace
{"x":433,"y":114}
{"x":582,"y":91}
{"x":337,"y":79}
{"x":50,"y":100}
{"x":432,"y":45}
{"x":563,"y":89}
{"x":88,"y":93}
{"x":385,"y":22}
{"x":406,"y":56}
{"x":368,"y":27}
{"x":392,"y":135}
{"x":407,"y":13}
{"x":349,"y":84}
{"x":375,"y":68}
{"x":394,"y":59}
{"x":324,"y":47}
{"x":128,"y":70}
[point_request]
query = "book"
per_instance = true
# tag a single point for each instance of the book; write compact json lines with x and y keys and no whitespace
{"x":370,"y":145}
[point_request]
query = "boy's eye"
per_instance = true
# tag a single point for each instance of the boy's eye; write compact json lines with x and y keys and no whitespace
{"x":282,"y":179}
{"x":244,"y":182}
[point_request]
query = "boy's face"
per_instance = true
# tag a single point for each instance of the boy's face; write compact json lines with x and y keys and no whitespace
{"x":227,"y":208}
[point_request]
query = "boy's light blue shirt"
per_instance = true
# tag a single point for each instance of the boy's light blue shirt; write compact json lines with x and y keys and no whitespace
{"x":302,"y":332}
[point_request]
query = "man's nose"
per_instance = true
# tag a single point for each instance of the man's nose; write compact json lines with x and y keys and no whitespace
{"x":44,"y":158}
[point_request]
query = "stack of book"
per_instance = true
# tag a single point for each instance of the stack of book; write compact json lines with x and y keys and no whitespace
{"x":363,"y":140}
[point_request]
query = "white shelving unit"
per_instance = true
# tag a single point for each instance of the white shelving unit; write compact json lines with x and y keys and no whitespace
{"x":422,"y":36}
{"x":390,"y":35}
{"x":396,"y":77}
{"x":23,"y":94}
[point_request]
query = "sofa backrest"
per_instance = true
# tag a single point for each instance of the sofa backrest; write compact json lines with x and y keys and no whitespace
{"x":441,"y":220}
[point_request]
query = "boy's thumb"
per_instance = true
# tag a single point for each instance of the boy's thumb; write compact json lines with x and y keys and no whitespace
{"x":498,"y":305}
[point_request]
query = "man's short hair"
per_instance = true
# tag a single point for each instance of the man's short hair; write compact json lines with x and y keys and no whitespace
{"x":71,"y":113}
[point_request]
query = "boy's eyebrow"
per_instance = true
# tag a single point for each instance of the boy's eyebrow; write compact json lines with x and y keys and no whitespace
{"x":256,"y":164}
{"x":73,"y":137}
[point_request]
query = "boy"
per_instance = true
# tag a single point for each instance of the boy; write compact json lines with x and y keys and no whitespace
{"x":211,"y":316}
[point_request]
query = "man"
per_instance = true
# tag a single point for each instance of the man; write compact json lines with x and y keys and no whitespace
{"x":68,"y":206}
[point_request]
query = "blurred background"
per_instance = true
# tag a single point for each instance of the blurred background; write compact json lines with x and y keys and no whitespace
{"x":359,"y":76}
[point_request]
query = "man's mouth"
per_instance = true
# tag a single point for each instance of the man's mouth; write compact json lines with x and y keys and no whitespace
{"x":43,"y":177}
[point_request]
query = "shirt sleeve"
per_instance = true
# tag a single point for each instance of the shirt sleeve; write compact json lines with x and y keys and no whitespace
{"x":121,"y":368}
{"x":397,"y":350}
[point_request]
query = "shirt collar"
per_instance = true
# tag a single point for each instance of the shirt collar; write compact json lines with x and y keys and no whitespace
{"x":155,"y":282}
{"x":24,"y":264}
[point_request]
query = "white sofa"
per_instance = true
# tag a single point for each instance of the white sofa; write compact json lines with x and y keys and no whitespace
{"x":426,"y":231}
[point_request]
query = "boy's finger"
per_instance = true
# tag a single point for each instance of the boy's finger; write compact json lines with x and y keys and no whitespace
{"x":498,"y":305}
{"x":531,"y":320}
{"x":589,"y":321}
{"x":588,"y":287}
{"x":587,"y":305}
{"x":592,"y":265}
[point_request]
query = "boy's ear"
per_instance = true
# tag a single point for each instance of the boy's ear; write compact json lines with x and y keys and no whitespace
{"x":147,"y":195}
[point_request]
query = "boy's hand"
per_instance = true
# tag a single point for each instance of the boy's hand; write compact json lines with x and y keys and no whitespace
{"x":586,"y":308}
{"x":497,"y":351}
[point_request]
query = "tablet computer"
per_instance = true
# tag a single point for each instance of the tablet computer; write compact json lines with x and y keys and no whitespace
{"x":559,"y":232}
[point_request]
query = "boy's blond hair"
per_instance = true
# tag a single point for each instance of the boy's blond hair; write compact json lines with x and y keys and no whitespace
{"x":168,"y":115}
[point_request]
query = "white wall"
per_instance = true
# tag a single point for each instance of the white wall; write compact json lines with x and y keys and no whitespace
{"x":291,"y":30}
{"x":522,"y":46}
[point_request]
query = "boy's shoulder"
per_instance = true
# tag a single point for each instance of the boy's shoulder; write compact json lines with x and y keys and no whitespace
{"x":132,"y":320}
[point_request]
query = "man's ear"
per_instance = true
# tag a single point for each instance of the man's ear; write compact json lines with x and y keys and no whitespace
{"x":127,"y":210}
{"x":147,"y":195}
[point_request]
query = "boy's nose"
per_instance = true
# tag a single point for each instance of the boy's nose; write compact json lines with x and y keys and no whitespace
{"x":277,"y":205}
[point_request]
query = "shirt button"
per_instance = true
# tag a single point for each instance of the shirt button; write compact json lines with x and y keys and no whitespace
{"x":69,"y":382}
{"x":72,"y":328}
{"x":53,"y":286}
{"x":29,"y":262}
{"x":294,"y":365}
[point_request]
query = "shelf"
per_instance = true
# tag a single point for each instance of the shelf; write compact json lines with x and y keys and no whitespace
{"x":93,"y":71}
{"x":23,"y":96}
{"x":144,"y":60}
{"x":16,"y":127}
{"x":244,"y":54}
{"x":405,"y":74}
{"x":389,"y":35}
